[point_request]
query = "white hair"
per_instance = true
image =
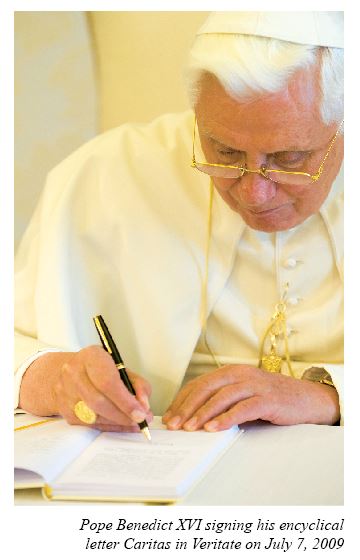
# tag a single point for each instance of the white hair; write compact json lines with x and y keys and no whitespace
{"x":248,"y":65}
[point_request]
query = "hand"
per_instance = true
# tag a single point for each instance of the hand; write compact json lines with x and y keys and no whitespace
{"x":236,"y":394}
{"x":55,"y":382}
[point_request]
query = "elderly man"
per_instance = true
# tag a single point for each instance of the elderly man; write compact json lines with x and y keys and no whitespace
{"x":212,"y":245}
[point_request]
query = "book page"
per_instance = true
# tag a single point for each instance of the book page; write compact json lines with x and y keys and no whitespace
{"x":47,"y":449}
{"x":127,"y":464}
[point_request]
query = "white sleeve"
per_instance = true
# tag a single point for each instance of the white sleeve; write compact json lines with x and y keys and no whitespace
{"x":27,"y":346}
{"x":337,"y":375}
{"x":22,"y":369}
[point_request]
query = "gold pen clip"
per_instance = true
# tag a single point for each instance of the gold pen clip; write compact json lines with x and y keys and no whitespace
{"x":102,"y":334}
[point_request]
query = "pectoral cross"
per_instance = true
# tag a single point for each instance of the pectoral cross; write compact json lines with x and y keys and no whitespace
{"x":272,"y":362}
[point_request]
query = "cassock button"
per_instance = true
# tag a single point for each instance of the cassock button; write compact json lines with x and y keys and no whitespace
{"x":290,"y":263}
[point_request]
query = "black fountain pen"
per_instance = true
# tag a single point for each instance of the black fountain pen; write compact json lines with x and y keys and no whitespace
{"x":110,"y":347}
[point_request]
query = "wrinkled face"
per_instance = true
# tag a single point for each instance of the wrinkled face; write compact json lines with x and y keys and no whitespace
{"x":282,"y":130}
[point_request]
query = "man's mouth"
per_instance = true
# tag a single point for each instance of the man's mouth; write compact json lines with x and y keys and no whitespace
{"x":268,"y":211}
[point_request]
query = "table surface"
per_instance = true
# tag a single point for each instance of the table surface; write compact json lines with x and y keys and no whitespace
{"x":267,"y":465}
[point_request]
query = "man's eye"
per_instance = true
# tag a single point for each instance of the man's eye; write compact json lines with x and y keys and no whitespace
{"x":227,"y":152}
{"x":289,"y":159}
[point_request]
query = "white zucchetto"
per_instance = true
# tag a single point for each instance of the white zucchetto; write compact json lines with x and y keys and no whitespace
{"x":324,"y":29}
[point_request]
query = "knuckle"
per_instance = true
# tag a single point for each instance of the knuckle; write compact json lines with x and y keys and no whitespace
{"x":90,"y":351}
{"x":225,"y":371}
{"x":185,"y":408}
{"x":94,"y":357}
{"x":209,"y":409}
{"x":104,"y":383}
{"x":229,"y":417}
{"x":190,"y":385}
{"x":97,"y":402}
{"x":227,"y":392}
{"x":69,"y":373}
{"x":66,"y":369}
{"x":257,"y":403}
{"x":203,"y":385}
{"x":58,"y":388}
{"x":242,"y":372}
{"x":175,"y":403}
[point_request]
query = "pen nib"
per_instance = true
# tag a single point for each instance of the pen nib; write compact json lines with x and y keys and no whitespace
{"x":146,"y":433}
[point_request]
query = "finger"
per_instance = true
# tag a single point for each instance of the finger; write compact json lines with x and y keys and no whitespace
{"x":103,"y":425}
{"x":142,"y":388}
{"x":208,"y":383}
{"x":254,"y":408}
{"x":194,"y":399}
{"x":197,"y":391}
{"x":104,"y":375}
{"x":184,"y":393}
{"x":67,"y":411}
{"x":180,"y":397}
{"x":116,"y":428}
{"x":219,"y":403}
{"x":83,"y":389}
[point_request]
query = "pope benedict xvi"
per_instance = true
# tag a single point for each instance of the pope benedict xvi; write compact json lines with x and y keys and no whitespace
{"x":210,"y":241}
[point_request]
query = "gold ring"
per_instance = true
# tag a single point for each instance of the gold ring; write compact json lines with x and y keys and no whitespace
{"x":84,"y":413}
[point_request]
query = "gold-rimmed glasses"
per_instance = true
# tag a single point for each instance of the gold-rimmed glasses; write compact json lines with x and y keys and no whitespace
{"x":300,"y":178}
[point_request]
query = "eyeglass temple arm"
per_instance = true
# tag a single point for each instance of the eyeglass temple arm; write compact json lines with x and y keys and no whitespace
{"x":263,"y":169}
{"x":193,"y":142}
{"x":319,"y":173}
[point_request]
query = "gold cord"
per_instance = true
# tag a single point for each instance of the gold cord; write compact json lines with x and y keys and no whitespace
{"x":204,"y":287}
{"x":277,"y":327}
{"x":203,"y":309}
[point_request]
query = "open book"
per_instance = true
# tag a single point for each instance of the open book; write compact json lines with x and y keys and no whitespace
{"x":80,"y":463}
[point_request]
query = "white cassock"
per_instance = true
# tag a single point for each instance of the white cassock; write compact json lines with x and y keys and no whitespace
{"x":121,"y":231}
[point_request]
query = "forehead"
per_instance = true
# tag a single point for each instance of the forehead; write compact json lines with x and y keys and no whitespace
{"x":292,"y":114}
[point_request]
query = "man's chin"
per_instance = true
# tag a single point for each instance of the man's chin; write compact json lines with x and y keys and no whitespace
{"x":269,"y":228}
{"x":280,"y":219}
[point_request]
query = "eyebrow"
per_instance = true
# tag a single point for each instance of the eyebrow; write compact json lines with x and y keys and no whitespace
{"x":292,"y":148}
{"x":215,"y":140}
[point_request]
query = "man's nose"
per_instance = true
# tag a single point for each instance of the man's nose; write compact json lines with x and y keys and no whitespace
{"x":253,"y":190}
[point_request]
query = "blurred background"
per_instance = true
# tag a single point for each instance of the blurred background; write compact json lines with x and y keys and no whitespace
{"x":78,"y":74}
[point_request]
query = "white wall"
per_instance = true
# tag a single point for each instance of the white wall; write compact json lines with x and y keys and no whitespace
{"x":79,"y":73}
{"x":140,"y":60}
{"x":55,"y":100}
